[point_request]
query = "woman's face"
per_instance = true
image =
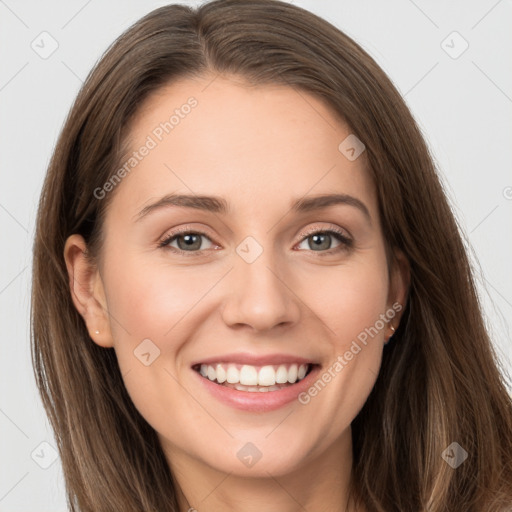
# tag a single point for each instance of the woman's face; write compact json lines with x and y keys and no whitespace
{"x":251,"y":277}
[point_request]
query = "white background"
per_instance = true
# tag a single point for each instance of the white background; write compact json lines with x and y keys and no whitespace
{"x":463,"y":105}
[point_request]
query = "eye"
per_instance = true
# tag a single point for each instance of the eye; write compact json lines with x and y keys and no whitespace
{"x":186,"y":241}
{"x":190,"y":243}
{"x":319,"y":240}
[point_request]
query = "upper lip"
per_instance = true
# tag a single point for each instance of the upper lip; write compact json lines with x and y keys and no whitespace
{"x":255,"y":360}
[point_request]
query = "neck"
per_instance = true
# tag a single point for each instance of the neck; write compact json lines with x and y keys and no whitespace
{"x":319,"y":484}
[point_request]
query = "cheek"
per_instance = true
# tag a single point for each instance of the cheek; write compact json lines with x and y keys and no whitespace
{"x":147,"y":300}
{"x":359,"y":325}
{"x":348,"y":298}
{"x":362,"y":299}
{"x":152,"y":302}
{"x":351,"y":304}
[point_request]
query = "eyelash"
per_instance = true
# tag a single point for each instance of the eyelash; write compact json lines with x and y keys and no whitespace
{"x":346,"y":243}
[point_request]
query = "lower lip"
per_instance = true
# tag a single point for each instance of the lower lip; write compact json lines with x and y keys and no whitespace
{"x":257,"y":401}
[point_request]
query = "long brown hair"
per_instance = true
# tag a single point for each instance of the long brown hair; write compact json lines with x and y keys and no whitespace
{"x":440,"y":382}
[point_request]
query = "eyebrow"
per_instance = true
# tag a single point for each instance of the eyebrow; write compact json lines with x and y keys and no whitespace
{"x":219,"y":205}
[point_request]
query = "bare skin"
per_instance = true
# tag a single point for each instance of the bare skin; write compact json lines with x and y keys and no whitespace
{"x":260,"y":148}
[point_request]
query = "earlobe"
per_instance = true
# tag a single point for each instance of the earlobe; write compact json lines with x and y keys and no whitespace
{"x":87,"y":292}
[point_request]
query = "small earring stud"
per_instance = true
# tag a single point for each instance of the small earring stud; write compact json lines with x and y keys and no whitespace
{"x":96,"y":332}
{"x":393,"y":332}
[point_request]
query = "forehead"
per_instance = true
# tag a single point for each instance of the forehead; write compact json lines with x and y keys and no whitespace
{"x":258,"y":146}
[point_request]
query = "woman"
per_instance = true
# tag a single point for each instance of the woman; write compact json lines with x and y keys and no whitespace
{"x":249,"y":289}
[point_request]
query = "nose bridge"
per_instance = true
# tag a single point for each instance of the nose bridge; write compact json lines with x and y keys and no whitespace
{"x":259,"y":297}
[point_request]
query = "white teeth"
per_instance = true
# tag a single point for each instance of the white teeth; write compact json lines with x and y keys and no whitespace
{"x":221,"y":374}
{"x":252,"y":389}
{"x":250,"y":377}
{"x":266,"y":376}
{"x":292,"y":374}
{"x":233,"y":375}
{"x":282,"y":375}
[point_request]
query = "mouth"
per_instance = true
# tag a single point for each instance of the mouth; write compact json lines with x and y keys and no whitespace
{"x":256,"y":379}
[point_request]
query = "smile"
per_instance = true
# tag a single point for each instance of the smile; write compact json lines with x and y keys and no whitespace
{"x":254,"y":378}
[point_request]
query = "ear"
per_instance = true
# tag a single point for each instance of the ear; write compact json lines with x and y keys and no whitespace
{"x":399,"y":288}
{"x":87,"y":292}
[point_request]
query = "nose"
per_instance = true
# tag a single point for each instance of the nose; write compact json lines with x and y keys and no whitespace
{"x":260,"y":296}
